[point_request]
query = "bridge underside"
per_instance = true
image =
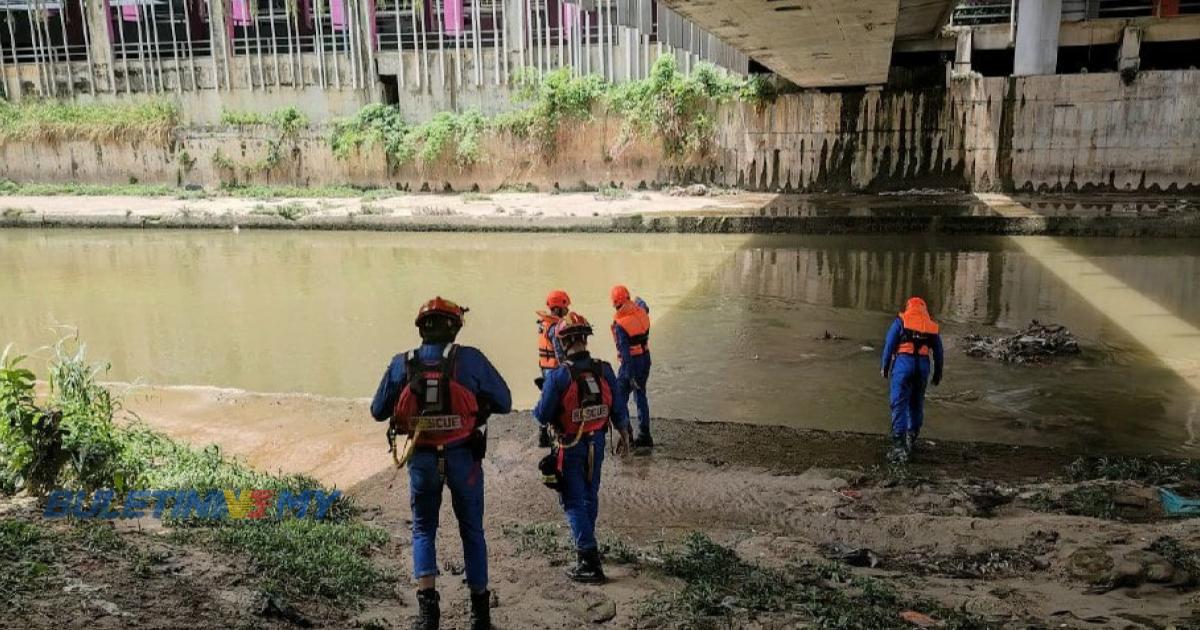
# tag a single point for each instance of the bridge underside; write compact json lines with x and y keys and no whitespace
{"x":818,"y":43}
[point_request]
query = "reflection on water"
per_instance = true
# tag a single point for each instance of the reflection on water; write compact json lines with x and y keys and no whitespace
{"x":737,"y":333}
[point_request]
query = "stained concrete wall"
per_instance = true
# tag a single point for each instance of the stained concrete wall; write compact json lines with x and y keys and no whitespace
{"x":213,"y":156}
{"x":1069,"y":132}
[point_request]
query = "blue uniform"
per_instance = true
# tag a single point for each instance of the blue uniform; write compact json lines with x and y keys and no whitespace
{"x":633,"y":375}
{"x":909,"y":376}
{"x":580,"y":499}
{"x":463,"y":475}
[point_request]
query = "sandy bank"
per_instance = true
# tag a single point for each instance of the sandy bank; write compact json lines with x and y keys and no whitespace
{"x":962,"y":526}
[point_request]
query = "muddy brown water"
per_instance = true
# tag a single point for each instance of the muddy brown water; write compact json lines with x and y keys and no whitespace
{"x":738,"y":320}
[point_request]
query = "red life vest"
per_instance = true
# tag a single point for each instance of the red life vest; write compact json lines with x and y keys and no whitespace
{"x":636,"y":323}
{"x":587,"y":402}
{"x":547,"y":359}
{"x":439,"y":409}
{"x":919,"y":329}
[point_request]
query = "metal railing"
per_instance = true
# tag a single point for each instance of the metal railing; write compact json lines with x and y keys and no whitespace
{"x":31,"y":35}
{"x":979,"y":12}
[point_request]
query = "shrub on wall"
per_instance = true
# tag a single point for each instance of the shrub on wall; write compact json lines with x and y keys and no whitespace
{"x":674,"y":108}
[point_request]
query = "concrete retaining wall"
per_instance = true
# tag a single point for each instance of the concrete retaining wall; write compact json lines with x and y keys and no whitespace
{"x":590,"y":154}
{"x":1069,"y":132}
{"x":1060,"y":132}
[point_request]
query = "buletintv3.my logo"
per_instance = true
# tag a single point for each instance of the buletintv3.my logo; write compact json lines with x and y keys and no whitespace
{"x":191,"y":504}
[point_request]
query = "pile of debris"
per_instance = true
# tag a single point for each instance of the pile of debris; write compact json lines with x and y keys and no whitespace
{"x":1038,"y":343}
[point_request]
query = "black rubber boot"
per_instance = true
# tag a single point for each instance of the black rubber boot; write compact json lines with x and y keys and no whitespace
{"x":899,"y":453}
{"x":587,"y":569}
{"x":429,"y":613}
{"x":481,"y":610}
{"x":544,"y":438}
{"x":643,"y":440}
{"x":910,"y":442}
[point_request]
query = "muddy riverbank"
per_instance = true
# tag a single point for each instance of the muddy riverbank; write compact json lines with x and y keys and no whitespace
{"x":615,"y":210}
{"x":1005,"y":536}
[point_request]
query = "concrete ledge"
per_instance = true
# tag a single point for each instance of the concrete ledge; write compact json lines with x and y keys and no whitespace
{"x":1175,"y":225}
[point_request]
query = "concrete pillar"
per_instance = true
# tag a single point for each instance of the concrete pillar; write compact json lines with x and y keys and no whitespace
{"x":224,"y":74}
{"x":1131,"y":48}
{"x":514,"y":25}
{"x":1037,"y":37}
{"x":100,"y":44}
{"x":962,"y":52}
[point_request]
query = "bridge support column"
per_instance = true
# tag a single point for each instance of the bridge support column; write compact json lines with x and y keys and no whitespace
{"x":1037,"y":37}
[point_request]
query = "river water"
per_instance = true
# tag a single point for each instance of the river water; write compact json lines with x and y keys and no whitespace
{"x":738,"y":320}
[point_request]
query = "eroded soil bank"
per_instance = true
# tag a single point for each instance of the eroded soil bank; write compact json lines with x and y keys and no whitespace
{"x":1012,"y":536}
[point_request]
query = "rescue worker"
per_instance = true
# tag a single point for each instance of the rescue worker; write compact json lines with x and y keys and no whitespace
{"x":911,"y":340}
{"x":550,"y":351}
{"x":577,"y":405}
{"x":440,"y":395}
{"x":631,"y":332}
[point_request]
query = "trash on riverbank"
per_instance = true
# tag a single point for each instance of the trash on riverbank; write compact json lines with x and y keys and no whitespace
{"x":1038,"y":343}
{"x":1178,"y":506}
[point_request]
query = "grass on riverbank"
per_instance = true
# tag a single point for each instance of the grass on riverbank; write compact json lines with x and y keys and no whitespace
{"x":52,"y":121}
{"x":72,"y":189}
{"x":721,"y":590}
{"x":69,"y":439}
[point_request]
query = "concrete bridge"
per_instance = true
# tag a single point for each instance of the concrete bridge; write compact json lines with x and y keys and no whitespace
{"x":828,"y":43}
{"x":818,"y":43}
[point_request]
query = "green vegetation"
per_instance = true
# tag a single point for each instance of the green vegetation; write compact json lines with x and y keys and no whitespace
{"x":1096,"y":501}
{"x":255,"y":191}
{"x":1150,"y":471}
{"x":289,"y":121}
{"x":537,"y":539}
{"x":289,"y":211}
{"x":667,"y":105}
{"x":721,"y":589}
{"x":50,"y":121}
{"x":555,"y":99}
{"x":9,"y":188}
{"x":384,"y":126}
{"x":27,"y":553}
{"x":304,"y":558}
{"x":70,"y":439}
{"x":673,"y":107}
{"x":612,"y":193}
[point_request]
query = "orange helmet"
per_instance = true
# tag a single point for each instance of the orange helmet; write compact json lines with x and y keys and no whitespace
{"x":446,"y":308}
{"x":573,"y":325}
{"x":619,"y":295}
{"x":558,"y":299}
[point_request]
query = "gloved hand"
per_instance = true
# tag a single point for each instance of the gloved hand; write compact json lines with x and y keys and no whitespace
{"x":937,"y":378}
{"x":623,"y":443}
{"x":884,"y":372}
{"x":539,"y":381}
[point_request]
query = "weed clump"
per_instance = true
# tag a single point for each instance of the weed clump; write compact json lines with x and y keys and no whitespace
{"x":676,"y":108}
{"x":540,"y":539}
{"x":288,"y":121}
{"x":722,"y":590}
{"x":304,"y":558}
{"x":52,"y":121}
{"x":73,"y":442}
{"x":1132,"y":469}
{"x":27,"y":552}
{"x":383,"y":126}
